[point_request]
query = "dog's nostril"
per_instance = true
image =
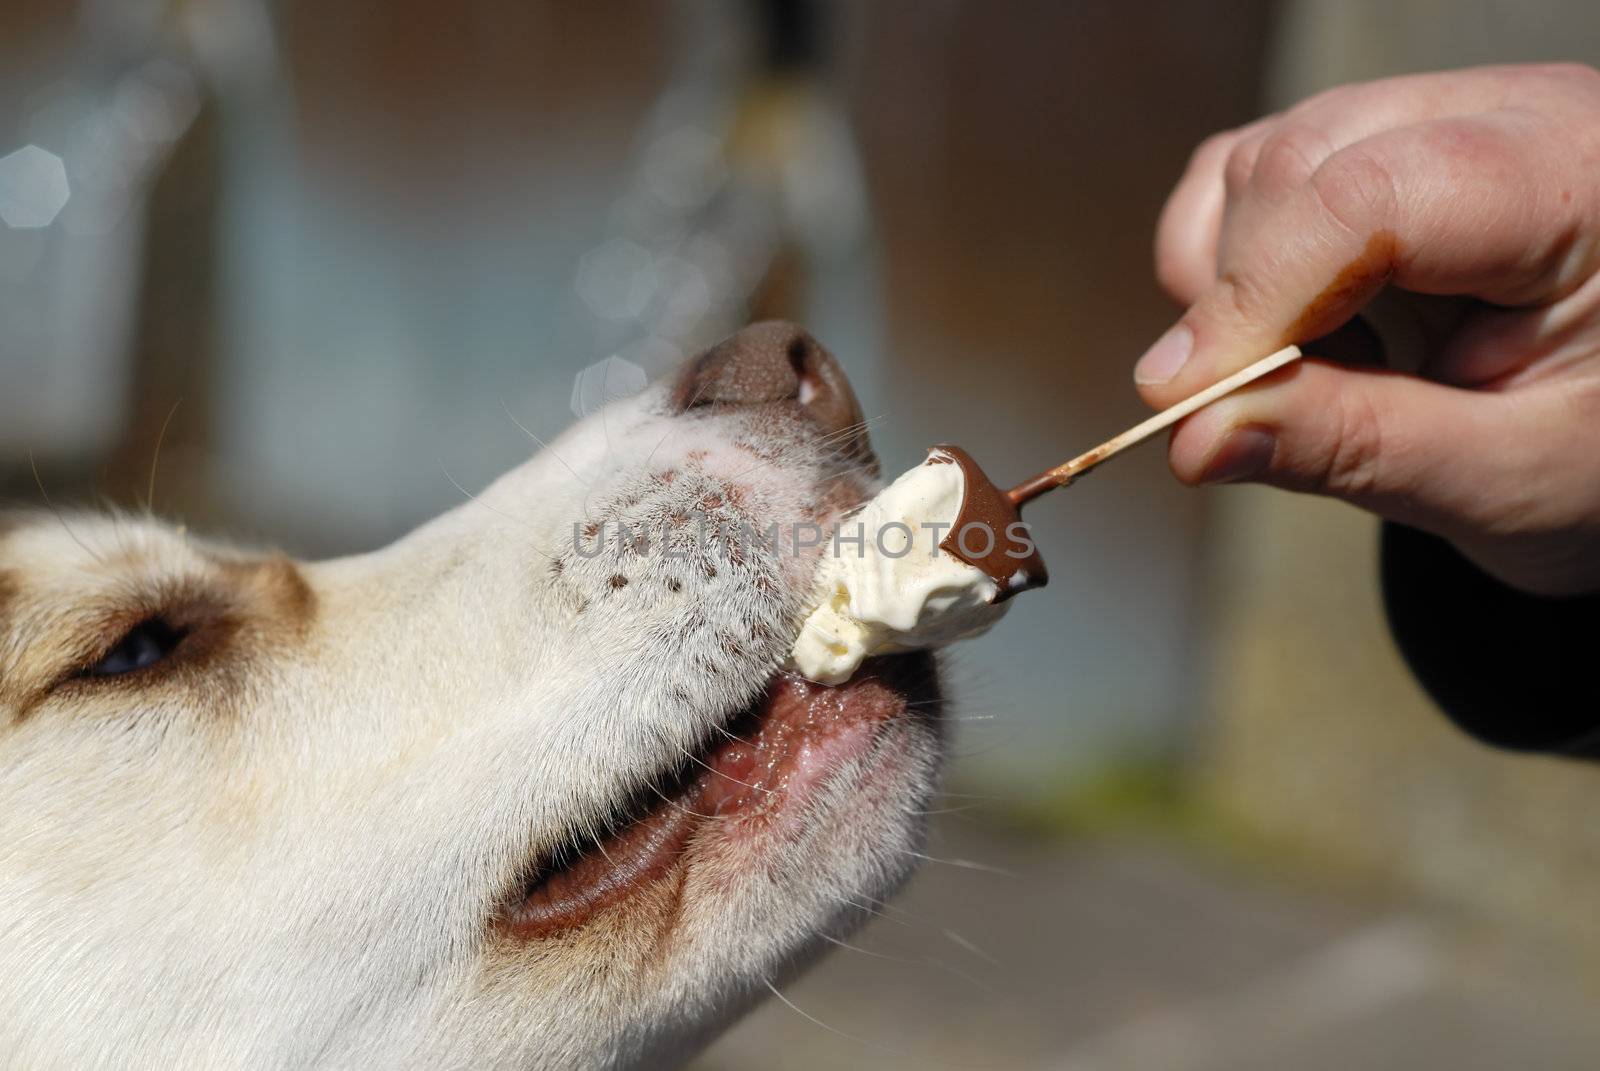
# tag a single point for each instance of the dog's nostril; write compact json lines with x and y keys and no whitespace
{"x":772,"y":362}
{"x":798,"y":349}
{"x":761,"y":363}
{"x":811,"y":386}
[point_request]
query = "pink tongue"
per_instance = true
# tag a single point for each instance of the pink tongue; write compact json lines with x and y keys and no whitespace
{"x":805,"y":731}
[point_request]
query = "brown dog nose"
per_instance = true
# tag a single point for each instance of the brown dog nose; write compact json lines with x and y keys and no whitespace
{"x":775,"y":362}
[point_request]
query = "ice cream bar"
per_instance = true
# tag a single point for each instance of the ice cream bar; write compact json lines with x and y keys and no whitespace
{"x":930,"y":560}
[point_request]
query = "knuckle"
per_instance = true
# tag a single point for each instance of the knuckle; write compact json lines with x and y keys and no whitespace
{"x":1237,"y":298}
{"x":1356,"y":188}
{"x":1212,"y":148}
{"x":1240,"y":165}
{"x":1352,"y":466}
{"x":1288,"y":157}
{"x":1209,"y":159}
{"x":1467,"y":144}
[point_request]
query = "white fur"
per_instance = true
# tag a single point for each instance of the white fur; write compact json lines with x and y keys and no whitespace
{"x":293,"y":861}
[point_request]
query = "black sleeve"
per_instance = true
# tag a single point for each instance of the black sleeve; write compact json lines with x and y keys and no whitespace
{"x":1514,"y":670}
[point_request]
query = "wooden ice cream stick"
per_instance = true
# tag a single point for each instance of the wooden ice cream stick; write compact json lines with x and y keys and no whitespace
{"x":1063,"y":474}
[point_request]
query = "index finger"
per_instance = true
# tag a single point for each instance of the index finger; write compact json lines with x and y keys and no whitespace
{"x":1481,"y":206}
{"x":1191,"y":220}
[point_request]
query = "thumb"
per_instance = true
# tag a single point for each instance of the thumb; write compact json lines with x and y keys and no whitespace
{"x":1437,"y":457}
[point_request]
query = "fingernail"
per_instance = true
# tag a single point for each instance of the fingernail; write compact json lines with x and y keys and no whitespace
{"x":1162,"y":361}
{"x":1243,"y":455}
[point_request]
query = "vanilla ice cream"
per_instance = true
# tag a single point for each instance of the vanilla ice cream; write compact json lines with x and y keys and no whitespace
{"x":884,"y":583}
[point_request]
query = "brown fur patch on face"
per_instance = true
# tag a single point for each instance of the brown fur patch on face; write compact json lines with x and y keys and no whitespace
{"x":10,"y":589}
{"x":281,"y":587}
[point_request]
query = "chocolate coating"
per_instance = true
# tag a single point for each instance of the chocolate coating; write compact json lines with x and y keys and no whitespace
{"x":983,"y":535}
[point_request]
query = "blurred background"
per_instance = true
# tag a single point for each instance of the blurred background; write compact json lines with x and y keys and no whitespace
{"x":329,"y":254}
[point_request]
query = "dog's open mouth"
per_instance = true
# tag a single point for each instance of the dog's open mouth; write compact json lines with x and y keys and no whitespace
{"x":765,"y":764}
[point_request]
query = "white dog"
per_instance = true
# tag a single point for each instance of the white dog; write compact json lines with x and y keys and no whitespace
{"x":513,"y":792}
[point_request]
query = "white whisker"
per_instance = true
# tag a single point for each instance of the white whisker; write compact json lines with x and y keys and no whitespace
{"x":518,"y":520}
{"x":808,"y":1017}
{"x":57,"y":513}
{"x":155,"y":460}
{"x":963,"y":943}
{"x":965,"y":808}
{"x":818,"y":1022}
{"x":542,"y":444}
{"x":965,"y":864}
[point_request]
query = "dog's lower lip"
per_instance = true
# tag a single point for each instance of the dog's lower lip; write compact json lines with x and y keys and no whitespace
{"x":797,"y":734}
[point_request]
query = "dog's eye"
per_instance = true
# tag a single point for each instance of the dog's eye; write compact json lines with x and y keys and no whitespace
{"x":146,"y":643}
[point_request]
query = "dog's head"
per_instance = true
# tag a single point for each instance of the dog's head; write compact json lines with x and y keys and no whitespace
{"x":526,"y":788}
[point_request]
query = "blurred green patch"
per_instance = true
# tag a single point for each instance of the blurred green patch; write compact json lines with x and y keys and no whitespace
{"x":1154,"y":797}
{"x":1126,"y":794}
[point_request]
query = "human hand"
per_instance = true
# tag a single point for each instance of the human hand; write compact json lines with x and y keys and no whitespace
{"x":1481,"y":183}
